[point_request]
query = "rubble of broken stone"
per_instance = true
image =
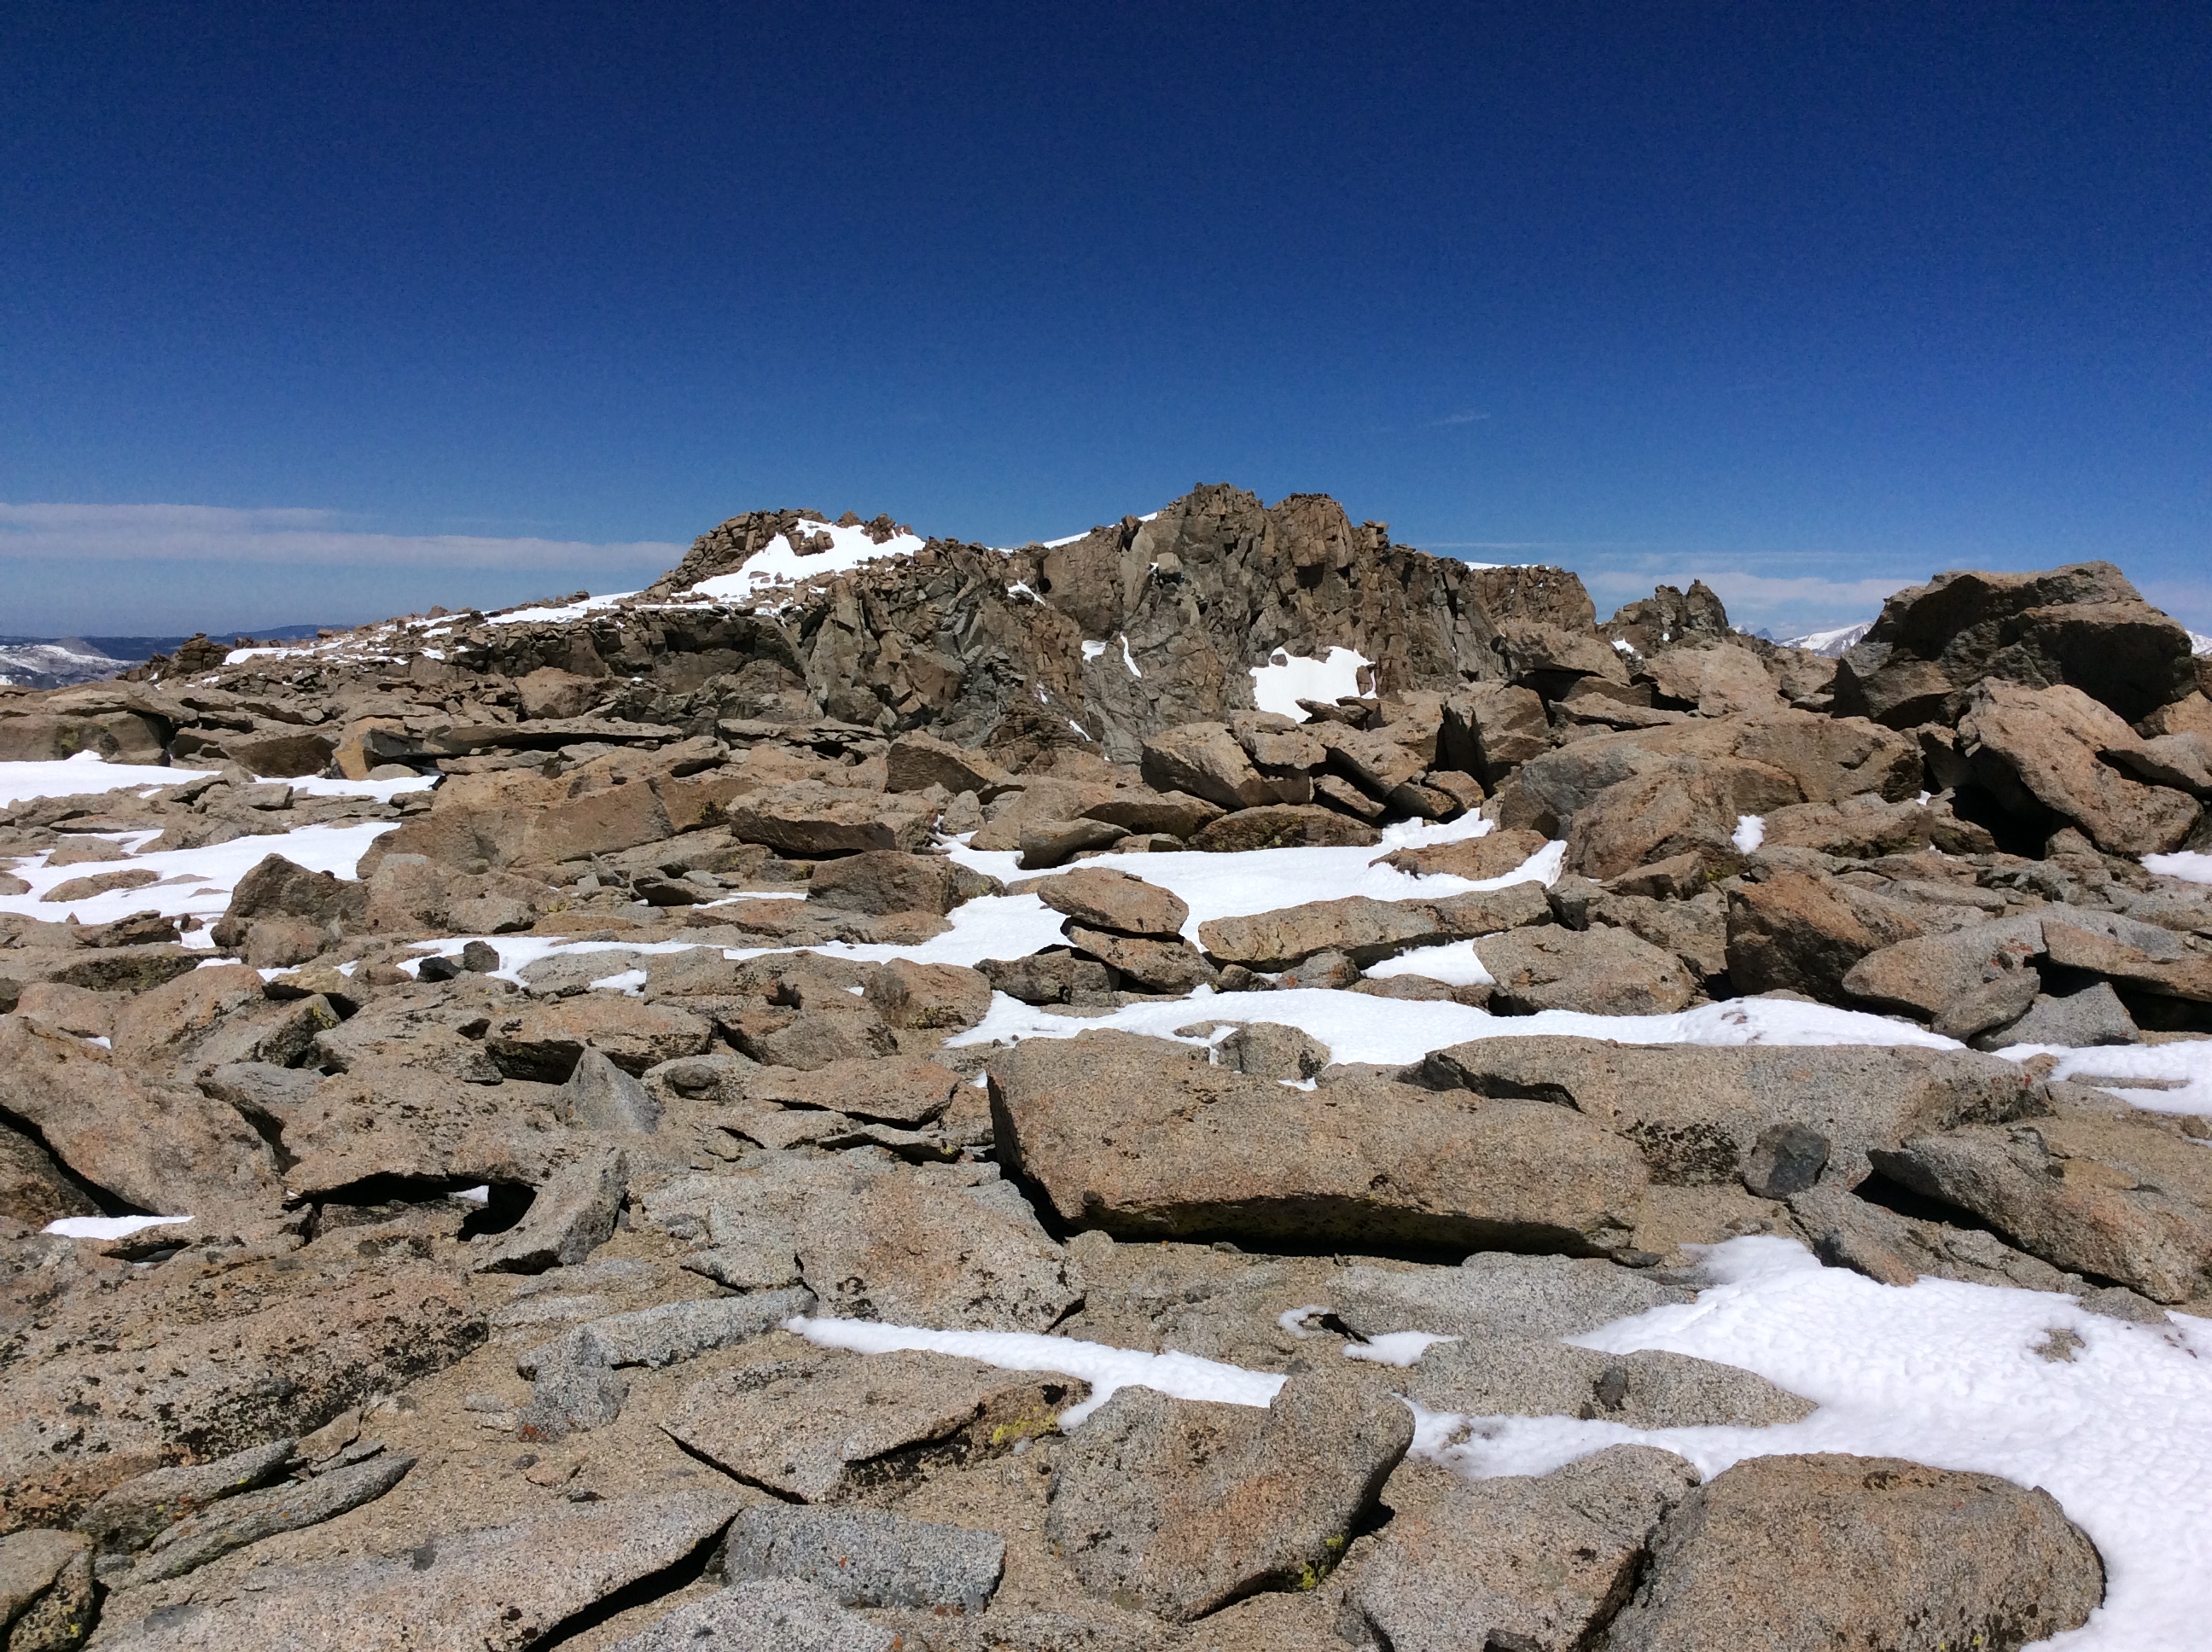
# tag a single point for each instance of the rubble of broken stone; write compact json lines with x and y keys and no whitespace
{"x":477,"y":1332}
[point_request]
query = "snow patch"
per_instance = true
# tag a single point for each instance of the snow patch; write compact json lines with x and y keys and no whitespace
{"x":87,"y":772}
{"x":1093,"y":650}
{"x":777,"y":563}
{"x":108,"y":1227}
{"x":573,"y":611}
{"x":2188,"y":865}
{"x":1182,"y":1376}
{"x":1399,"y":1348}
{"x":1832,"y":644}
{"x":1287,"y":678}
{"x":1750,"y":832}
{"x":1359,"y":1027}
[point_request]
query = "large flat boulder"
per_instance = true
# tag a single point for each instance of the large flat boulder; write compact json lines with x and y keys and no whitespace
{"x":2083,"y":625}
{"x":1521,"y":1561}
{"x":1796,"y":932}
{"x":221,"y":1384}
{"x":1600,"y":970}
{"x":828,"y":1428}
{"x":159,"y":1147}
{"x":2106,"y":1197}
{"x":498,"y":1587}
{"x":1697,"y":1112}
{"x":1805,"y":1554}
{"x":2040,"y":750}
{"x":1366,"y":930}
{"x":1142,"y":1137}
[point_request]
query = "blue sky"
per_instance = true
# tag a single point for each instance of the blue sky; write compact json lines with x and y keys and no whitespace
{"x":317,"y":313}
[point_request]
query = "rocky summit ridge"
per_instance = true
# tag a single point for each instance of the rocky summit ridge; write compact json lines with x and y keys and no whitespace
{"x":686,"y":1119}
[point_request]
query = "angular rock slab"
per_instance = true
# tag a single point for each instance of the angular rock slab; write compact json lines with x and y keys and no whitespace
{"x":161,"y":1148}
{"x":69,"y":1434}
{"x":139,"y":1511}
{"x":500,"y":1587}
{"x":1185,"y":1505}
{"x":780,"y":1616}
{"x":1806,"y":1554}
{"x":865,"y":1557}
{"x":1536,"y":1563}
{"x":2107,"y":1197}
{"x":1106,"y":899}
{"x":950,"y":1246}
{"x":47,"y":1593}
{"x":1697,"y":1112}
{"x":235,"y":1522}
{"x":572,"y":1216}
{"x":827,"y":1429}
{"x":1141,"y":1137}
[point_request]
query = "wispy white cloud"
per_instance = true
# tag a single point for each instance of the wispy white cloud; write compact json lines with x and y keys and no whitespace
{"x":215,"y":534}
{"x":1457,"y":418}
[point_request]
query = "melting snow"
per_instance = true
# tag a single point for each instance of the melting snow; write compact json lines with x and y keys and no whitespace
{"x":85,"y":772}
{"x":777,"y":563}
{"x":108,"y":1227}
{"x":1939,"y":1372}
{"x":1093,"y":650}
{"x":203,"y":877}
{"x":565,"y":611}
{"x":1287,"y":678}
{"x":1358,"y":1027}
{"x":1750,"y":832}
{"x":2188,"y":865}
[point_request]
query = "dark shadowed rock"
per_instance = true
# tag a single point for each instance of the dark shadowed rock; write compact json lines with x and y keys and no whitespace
{"x":2109,"y":1198}
{"x":571,"y":1216}
{"x":1285,"y":826}
{"x":2082,"y":625}
{"x":48,"y":1601}
{"x":2042,"y":749}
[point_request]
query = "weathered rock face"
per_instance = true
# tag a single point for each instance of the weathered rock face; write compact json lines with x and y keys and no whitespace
{"x":827,"y":1429}
{"x":2083,"y":626}
{"x":2111,"y":1199}
{"x":1141,"y":1138}
{"x":1907,"y":1557}
{"x":1542,"y":1562}
{"x":1697,"y":1114}
{"x":1188,"y":1506}
{"x":2040,"y":748}
{"x":503,"y":1587}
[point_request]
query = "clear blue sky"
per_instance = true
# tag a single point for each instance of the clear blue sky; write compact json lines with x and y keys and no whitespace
{"x":316,"y":313}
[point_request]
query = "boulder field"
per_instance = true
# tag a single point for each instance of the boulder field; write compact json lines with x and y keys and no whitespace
{"x":580,"y":1056}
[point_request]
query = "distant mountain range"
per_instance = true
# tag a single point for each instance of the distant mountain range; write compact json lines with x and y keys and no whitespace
{"x":58,"y":662}
{"x":1830,"y":645}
